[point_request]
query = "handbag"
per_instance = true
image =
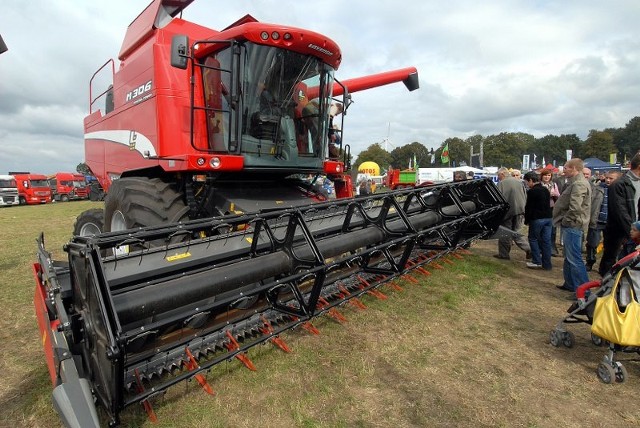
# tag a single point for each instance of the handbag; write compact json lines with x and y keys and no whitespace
{"x":613,"y":324}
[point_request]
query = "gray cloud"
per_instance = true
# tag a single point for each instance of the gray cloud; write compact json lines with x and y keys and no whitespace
{"x":541,"y":67}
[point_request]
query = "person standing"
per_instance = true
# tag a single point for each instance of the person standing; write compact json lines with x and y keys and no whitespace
{"x":515,"y":195}
{"x":622,"y":211}
{"x":537,"y":214}
{"x":571,"y":213}
{"x":552,"y":187}
{"x":599,"y":214}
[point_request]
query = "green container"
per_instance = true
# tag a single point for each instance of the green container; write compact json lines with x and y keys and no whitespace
{"x":407,"y":176}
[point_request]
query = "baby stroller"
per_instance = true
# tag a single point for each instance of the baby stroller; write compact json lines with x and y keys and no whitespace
{"x":624,"y":278}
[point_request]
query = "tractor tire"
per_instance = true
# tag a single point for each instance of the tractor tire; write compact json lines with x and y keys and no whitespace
{"x":89,"y":222}
{"x":135,"y":202}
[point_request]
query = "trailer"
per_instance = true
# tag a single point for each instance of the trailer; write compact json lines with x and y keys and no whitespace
{"x":400,"y":179}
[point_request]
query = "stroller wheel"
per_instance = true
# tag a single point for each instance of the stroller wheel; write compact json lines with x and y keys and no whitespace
{"x":568,"y":339}
{"x":596,"y":340}
{"x":554,"y":338}
{"x":621,"y":372}
{"x":606,"y":373}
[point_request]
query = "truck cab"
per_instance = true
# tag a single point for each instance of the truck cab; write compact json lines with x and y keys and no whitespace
{"x":68,"y":186}
{"x":8,"y":191}
{"x":33,"y":189}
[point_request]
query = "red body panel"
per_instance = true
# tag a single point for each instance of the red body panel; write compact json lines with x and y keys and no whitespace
{"x":45,"y":326}
{"x":33,"y":195}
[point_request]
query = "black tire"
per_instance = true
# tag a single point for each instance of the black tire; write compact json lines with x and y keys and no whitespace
{"x":621,"y":373}
{"x":64,"y":198}
{"x":93,"y":194}
{"x":22,"y":200}
{"x":596,"y":340}
{"x":568,"y":339}
{"x":135,"y":202}
{"x":89,"y":222}
{"x":606,"y":373}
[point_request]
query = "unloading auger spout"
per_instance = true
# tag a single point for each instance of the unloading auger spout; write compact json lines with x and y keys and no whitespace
{"x":187,"y":296}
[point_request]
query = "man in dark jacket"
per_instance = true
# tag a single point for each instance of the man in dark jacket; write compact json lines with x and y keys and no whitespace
{"x":599,"y":214}
{"x":622,"y":211}
{"x":537,"y":214}
{"x":514,"y":193}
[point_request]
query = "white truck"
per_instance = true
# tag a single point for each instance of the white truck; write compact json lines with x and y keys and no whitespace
{"x":8,"y":191}
{"x":441,"y":175}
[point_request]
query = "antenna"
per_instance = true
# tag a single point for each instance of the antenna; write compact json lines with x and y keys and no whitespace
{"x":385,"y":143}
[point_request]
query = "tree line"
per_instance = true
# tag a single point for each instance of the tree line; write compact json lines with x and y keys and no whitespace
{"x":507,"y":148}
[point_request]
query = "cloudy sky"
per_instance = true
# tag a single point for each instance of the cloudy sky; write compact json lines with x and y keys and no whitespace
{"x":536,"y":66}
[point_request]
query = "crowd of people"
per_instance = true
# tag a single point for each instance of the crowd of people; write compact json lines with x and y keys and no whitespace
{"x":577,"y":208}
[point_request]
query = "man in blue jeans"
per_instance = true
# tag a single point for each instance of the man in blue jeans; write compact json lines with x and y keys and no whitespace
{"x":537,"y":214}
{"x":571,"y":214}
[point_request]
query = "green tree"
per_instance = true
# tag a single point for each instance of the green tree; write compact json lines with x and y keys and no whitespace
{"x":459,"y":151}
{"x":507,"y":148}
{"x":554,"y":148}
{"x":627,"y":139}
{"x":400,"y":156}
{"x":599,"y":144}
{"x":373,"y":153}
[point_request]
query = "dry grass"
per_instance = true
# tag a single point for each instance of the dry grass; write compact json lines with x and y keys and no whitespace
{"x":466,"y":347}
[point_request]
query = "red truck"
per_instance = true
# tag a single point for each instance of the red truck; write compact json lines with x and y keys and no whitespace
{"x":400,"y":179}
{"x":33,"y":189}
{"x":67,"y":186}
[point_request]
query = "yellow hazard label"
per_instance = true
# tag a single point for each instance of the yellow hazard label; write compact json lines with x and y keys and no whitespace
{"x":249,"y":240}
{"x":178,"y":256}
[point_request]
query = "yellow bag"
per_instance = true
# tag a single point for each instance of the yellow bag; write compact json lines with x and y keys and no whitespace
{"x":609,"y":323}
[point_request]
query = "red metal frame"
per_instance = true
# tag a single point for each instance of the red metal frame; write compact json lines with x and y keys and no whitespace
{"x":45,"y":326}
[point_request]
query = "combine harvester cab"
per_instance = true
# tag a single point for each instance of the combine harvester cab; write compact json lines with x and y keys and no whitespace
{"x":212,"y":242}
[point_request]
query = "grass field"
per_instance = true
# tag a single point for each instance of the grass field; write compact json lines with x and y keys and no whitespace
{"x":467,"y":346}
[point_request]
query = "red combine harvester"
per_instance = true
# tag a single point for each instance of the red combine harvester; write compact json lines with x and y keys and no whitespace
{"x":212,"y":239}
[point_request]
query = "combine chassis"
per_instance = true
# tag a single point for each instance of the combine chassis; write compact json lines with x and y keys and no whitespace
{"x":134,"y":312}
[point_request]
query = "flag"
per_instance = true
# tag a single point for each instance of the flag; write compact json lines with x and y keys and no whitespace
{"x":444,"y":157}
{"x":415,"y":162}
{"x":534,"y":161}
{"x":544,"y":163}
{"x":433,"y":158}
{"x":613,"y":158}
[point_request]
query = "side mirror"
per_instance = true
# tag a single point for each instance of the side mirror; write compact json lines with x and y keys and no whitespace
{"x":179,"y":51}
